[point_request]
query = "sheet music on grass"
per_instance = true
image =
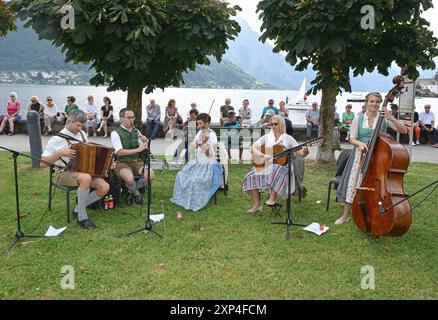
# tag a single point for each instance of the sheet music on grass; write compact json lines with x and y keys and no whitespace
{"x":53,"y":232}
{"x":316,"y":228}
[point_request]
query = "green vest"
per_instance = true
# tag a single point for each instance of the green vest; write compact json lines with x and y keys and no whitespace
{"x":129,"y":141}
{"x":365,"y":133}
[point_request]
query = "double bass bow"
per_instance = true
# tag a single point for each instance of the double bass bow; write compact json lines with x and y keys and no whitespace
{"x":383,"y":168}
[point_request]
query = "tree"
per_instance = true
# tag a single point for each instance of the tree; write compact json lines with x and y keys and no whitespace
{"x":135,"y":44}
{"x":337,"y":36}
{"x":7,"y":20}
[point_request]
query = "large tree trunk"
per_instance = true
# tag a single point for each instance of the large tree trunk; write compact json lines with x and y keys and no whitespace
{"x":135,"y":103}
{"x":327,"y":122}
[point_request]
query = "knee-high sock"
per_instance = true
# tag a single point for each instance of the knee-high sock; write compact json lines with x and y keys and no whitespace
{"x":92,"y":198}
{"x":133,"y":189}
{"x":82,"y":203}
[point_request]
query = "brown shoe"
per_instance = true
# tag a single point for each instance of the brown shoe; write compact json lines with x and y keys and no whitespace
{"x":435,"y":145}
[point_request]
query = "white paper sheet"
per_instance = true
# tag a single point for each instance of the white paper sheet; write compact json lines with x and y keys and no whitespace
{"x":53,"y":232}
{"x":157,"y":217}
{"x":316,"y":228}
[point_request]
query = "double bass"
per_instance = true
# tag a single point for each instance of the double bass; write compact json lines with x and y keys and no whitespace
{"x":382,"y":171}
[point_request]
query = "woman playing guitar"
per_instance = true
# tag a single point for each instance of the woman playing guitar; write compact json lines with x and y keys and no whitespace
{"x":268,"y":175}
{"x":360,"y":134}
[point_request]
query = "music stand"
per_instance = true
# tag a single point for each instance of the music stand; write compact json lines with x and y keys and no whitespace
{"x":148,"y":225}
{"x":19,"y":234}
{"x":288,"y":221}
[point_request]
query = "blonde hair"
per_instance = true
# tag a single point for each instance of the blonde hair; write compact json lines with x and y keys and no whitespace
{"x":373,"y":94}
{"x":281,"y":121}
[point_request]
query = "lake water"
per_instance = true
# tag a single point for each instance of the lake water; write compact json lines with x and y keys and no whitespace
{"x":183,"y":96}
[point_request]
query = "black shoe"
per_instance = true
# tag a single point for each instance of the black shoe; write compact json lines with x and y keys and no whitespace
{"x":138,"y":199}
{"x":130,"y":199}
{"x":87,"y":224}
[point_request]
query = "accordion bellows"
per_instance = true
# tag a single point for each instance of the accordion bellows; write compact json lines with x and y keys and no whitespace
{"x":91,"y":158}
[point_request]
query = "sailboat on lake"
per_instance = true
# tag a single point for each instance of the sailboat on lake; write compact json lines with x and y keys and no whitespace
{"x":300,"y":102}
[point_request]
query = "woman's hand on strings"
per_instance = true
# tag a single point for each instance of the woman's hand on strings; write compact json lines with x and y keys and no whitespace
{"x":363,"y":147}
{"x":385,"y":113}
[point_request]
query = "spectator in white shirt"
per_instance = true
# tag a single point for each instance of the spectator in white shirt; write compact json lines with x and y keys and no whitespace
{"x":92,"y":121}
{"x":427,"y":125}
{"x":50,"y":113}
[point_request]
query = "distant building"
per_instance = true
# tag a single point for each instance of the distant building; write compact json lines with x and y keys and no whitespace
{"x":427,"y":86}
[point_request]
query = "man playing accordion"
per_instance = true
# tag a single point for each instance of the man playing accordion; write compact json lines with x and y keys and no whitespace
{"x":58,"y":151}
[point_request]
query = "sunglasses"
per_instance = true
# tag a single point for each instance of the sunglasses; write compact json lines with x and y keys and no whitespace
{"x":49,"y":99}
{"x":274,"y":123}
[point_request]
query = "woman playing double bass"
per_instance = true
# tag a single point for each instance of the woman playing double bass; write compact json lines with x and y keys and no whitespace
{"x":360,"y":134}
{"x":272,"y":176}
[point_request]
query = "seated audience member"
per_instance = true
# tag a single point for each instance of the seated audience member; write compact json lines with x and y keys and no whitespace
{"x":312,"y":118}
{"x":153,"y":122}
{"x":427,"y":126}
{"x":12,"y":114}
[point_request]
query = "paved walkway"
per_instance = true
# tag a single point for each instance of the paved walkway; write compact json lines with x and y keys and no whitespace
{"x":20,"y":142}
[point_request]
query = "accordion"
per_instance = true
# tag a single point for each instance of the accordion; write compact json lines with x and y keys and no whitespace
{"x":91,"y":158}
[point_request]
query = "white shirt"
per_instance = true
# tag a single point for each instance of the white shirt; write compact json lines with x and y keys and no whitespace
{"x":117,"y":142}
{"x":57,"y":143}
{"x":51,"y":111}
{"x":268,"y":141}
{"x":90,"y":108}
{"x":427,"y":118}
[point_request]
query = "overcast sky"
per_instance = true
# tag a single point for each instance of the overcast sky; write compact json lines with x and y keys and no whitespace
{"x":249,"y":14}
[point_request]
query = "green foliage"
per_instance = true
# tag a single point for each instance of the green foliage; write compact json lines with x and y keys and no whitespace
{"x":220,"y":252}
{"x":7,"y":20}
{"x":328,"y":35}
{"x":136,"y":43}
{"x":22,"y":51}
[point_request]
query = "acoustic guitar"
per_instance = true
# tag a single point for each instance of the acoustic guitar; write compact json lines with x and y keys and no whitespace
{"x":260,"y":163}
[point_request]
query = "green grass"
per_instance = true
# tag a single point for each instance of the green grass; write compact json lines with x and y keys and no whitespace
{"x":220,"y":252}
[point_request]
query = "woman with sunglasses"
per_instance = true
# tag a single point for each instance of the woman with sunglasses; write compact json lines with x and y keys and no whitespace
{"x":107,"y":117}
{"x":12,"y":114}
{"x":272,"y":177}
{"x":50,"y":113}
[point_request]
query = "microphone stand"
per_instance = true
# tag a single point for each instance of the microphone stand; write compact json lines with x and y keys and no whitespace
{"x":288,"y":221}
{"x":19,"y":234}
{"x":383,"y":210}
{"x":149,"y":224}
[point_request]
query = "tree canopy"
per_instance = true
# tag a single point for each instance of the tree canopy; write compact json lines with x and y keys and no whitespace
{"x":339,"y":36}
{"x":136,"y":44}
{"x":7,"y":20}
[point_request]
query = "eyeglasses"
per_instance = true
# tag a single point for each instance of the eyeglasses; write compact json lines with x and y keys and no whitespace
{"x":274,"y":123}
{"x":49,"y":99}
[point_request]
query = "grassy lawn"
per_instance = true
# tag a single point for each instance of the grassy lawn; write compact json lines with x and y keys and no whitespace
{"x":221,"y":252}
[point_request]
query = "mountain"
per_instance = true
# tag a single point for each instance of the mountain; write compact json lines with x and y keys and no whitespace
{"x":258,"y":60}
{"x":23,"y":51}
{"x":223,"y":75}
